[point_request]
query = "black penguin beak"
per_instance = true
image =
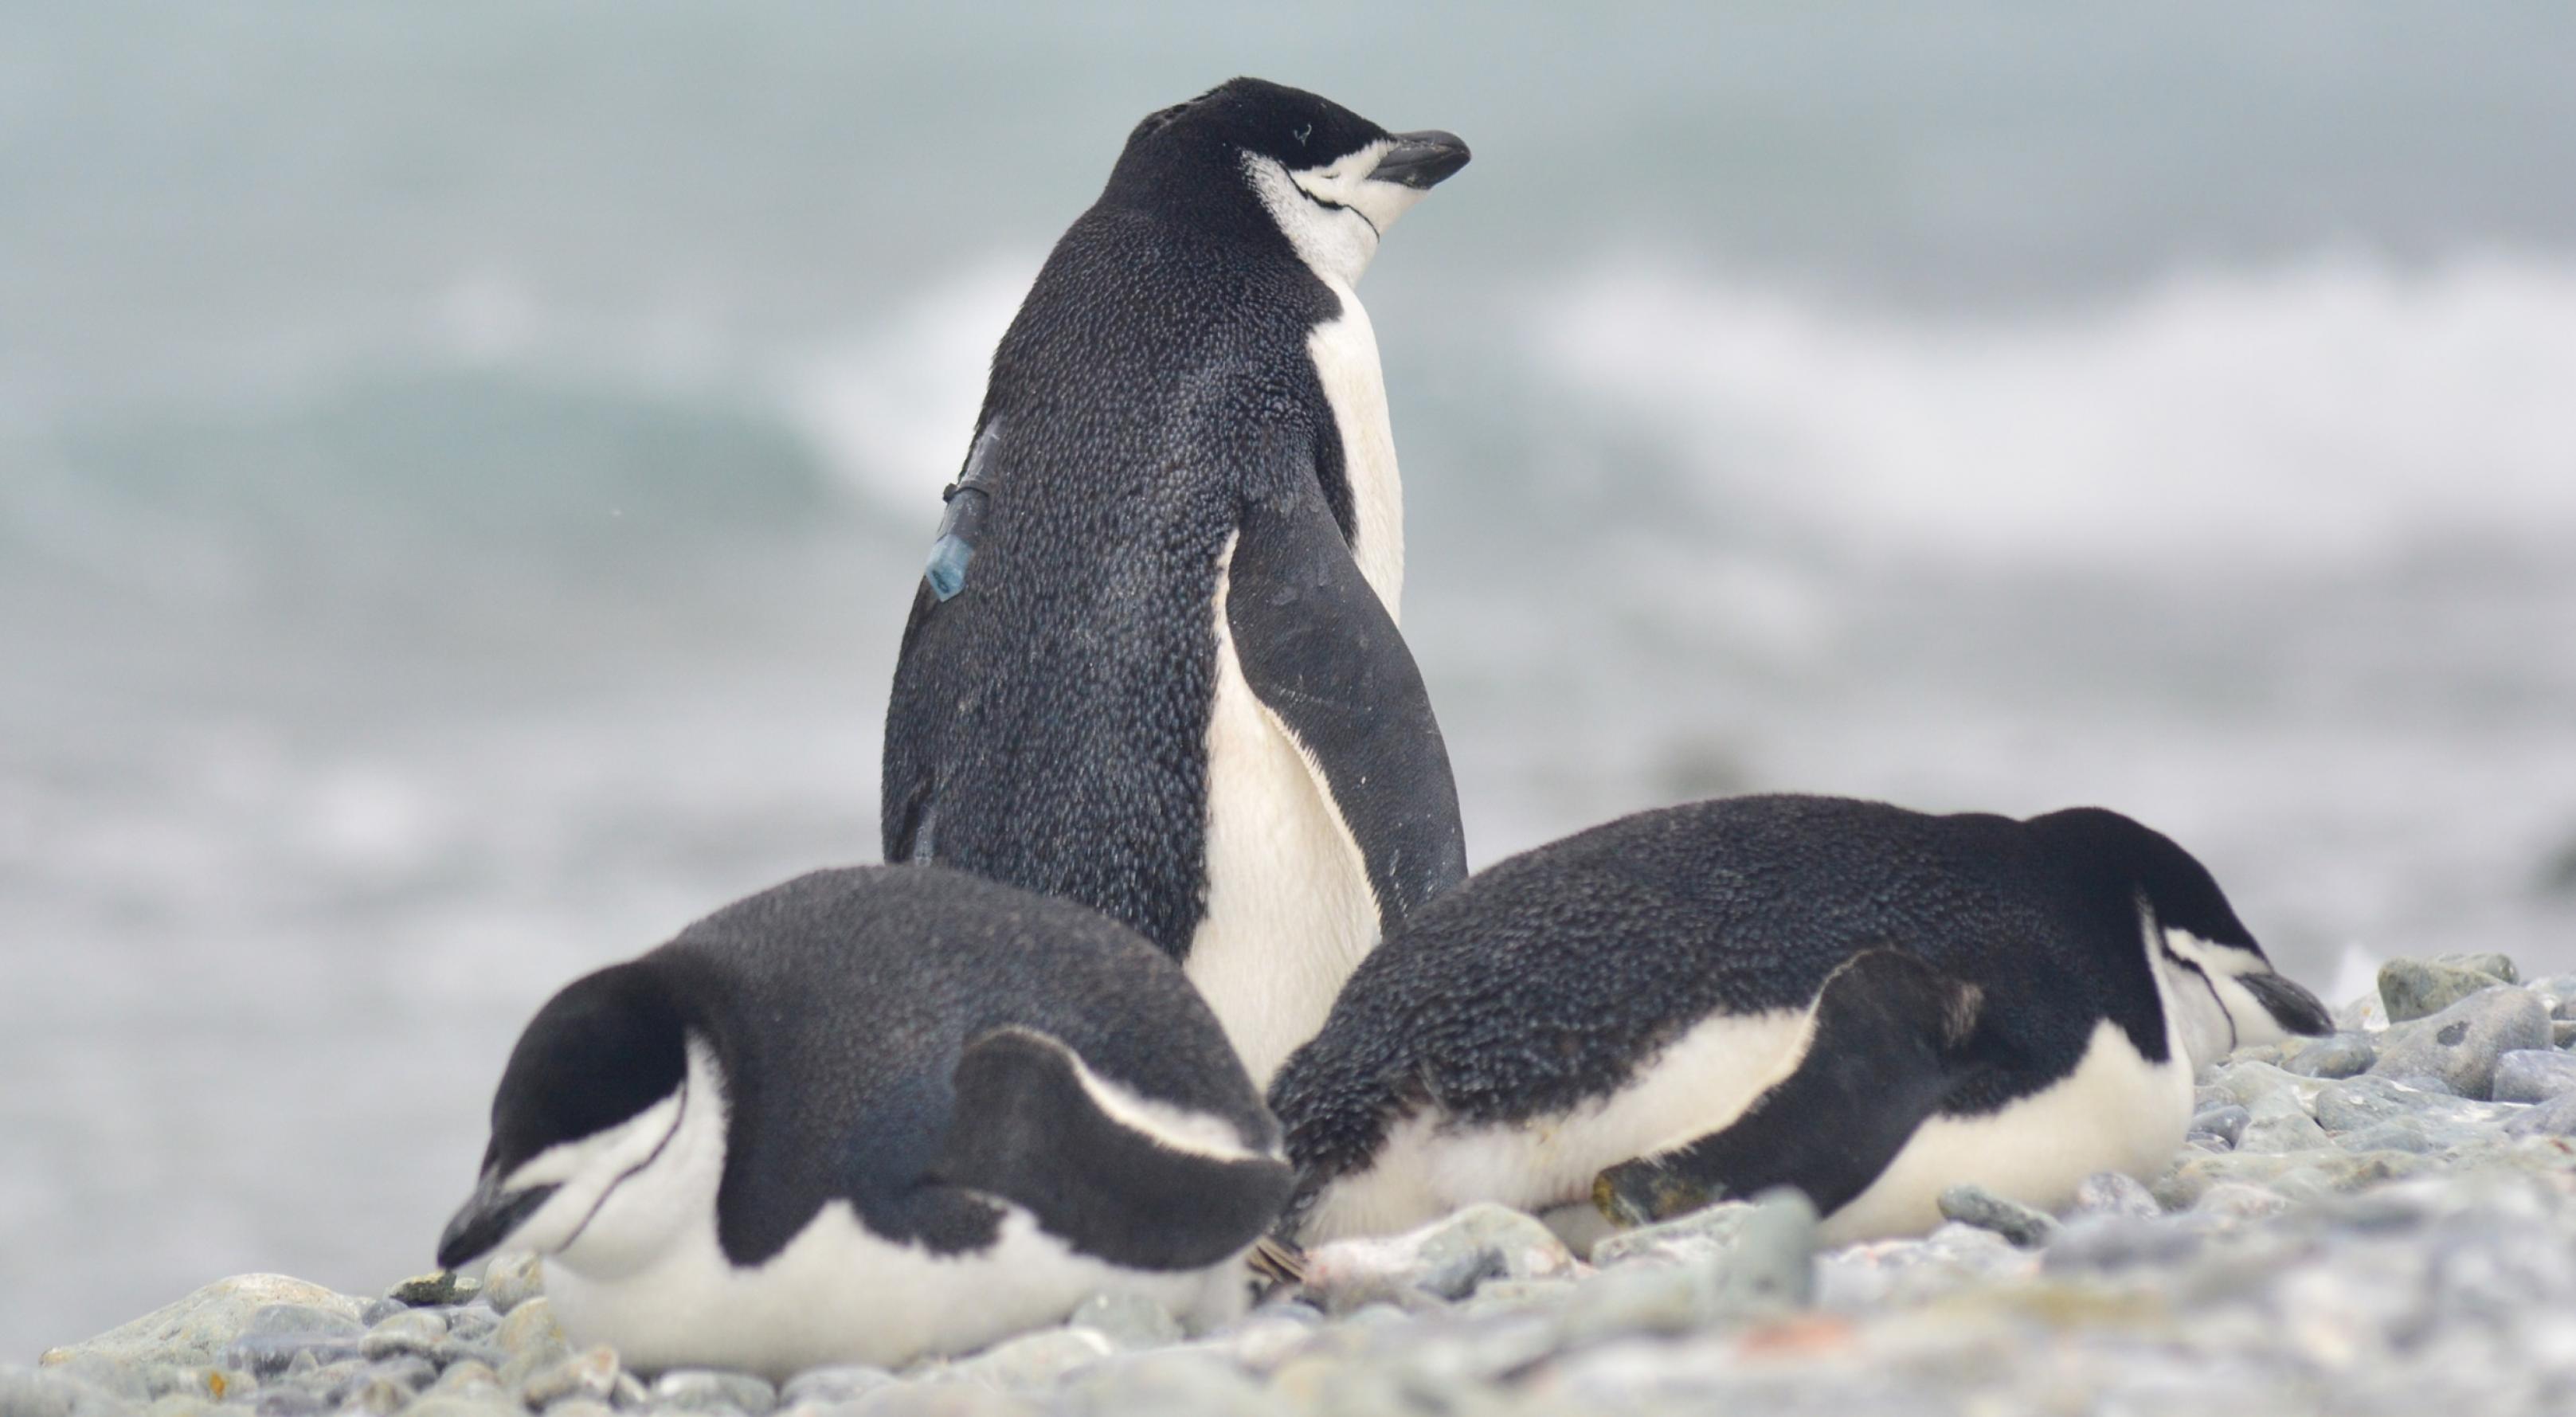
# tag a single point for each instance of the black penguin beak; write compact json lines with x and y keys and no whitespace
{"x":2293,"y":1007}
{"x":1421,"y":159}
{"x":486,"y":1219}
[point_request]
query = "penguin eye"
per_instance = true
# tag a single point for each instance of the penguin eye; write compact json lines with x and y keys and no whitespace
{"x":1302,"y":134}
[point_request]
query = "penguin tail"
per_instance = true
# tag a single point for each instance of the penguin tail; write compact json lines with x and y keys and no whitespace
{"x":1136,"y":1181}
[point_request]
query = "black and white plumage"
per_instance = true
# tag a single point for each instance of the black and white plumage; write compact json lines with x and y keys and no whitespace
{"x":872,"y":1113}
{"x":1868,"y":1003}
{"x":1154,"y":664}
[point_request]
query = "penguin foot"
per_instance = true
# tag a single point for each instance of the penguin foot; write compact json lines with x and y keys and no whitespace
{"x":1643,"y":1191}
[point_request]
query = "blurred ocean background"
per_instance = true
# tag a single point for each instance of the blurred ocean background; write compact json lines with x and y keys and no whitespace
{"x":463,"y":469}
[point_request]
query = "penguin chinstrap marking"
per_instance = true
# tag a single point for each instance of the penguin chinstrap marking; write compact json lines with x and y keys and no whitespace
{"x":1867,"y":1003}
{"x":870,"y":1114}
{"x":1154,"y":665}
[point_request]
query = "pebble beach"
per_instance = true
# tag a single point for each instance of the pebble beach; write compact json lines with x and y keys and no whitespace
{"x":2383,"y":1220}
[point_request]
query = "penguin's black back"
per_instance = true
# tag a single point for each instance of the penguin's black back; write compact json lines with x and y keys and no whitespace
{"x":1048,"y":724}
{"x":839,"y":1004}
{"x":1550,"y":978}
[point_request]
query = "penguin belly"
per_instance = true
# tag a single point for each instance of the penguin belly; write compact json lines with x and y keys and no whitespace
{"x":1289,"y":910}
{"x":691,"y":1307}
{"x":2115,"y":1112}
{"x":1432,"y":1164}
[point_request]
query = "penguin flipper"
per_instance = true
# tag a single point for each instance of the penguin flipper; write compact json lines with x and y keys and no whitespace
{"x":1125,"y":1179}
{"x":1891,"y":1038}
{"x":1321,"y":653}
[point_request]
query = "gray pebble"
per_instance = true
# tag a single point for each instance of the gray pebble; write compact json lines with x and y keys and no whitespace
{"x":512,"y":1279}
{"x":2562,"y":1031}
{"x":291,"y":1402}
{"x":839,"y":1383}
{"x":2115,"y":1193}
{"x":1772,"y":1264}
{"x":2554,"y":1118}
{"x":413,"y":1331}
{"x":1702,"y":1234}
{"x":1035,"y":1360}
{"x":1127,"y":1320}
{"x":1457,"y":1277}
{"x":2024,"y":1225}
{"x":49,"y":1392}
{"x":279,"y":1334}
{"x":2416,"y":988}
{"x":942,"y":1400}
{"x":714,"y":1390}
{"x":2110,"y":1242}
{"x":2341,"y":1056}
{"x":2534,"y":1075}
{"x":375,"y":1310}
{"x":2240,"y":1200}
{"x":591,"y":1374}
{"x":2500,"y":966}
{"x":473,"y":1323}
{"x":443,"y":1286}
{"x":1196,"y":1384}
{"x":2461,"y":1044}
{"x":2280,"y":1124}
{"x":194,"y":1331}
{"x":125,"y":1380}
{"x":2226,"y":1122}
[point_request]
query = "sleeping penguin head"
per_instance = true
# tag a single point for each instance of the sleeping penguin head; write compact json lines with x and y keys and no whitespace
{"x":583,"y":1123}
{"x":2221,"y":987}
{"x":1264,"y":158}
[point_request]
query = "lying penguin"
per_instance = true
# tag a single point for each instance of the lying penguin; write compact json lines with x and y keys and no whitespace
{"x":869,"y":1114}
{"x":1866,"y":1003}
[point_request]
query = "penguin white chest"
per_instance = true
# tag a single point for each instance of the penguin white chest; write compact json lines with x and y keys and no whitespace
{"x":1289,"y":910}
{"x":1345,"y":354}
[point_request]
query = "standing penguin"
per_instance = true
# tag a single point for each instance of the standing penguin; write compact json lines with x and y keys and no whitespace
{"x":871,"y":1114}
{"x":1863,"y":1002}
{"x":1154,"y":665}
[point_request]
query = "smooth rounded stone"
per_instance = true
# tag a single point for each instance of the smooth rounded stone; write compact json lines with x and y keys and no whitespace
{"x":830,"y":1386}
{"x":1504,"y":1296}
{"x":202,"y":1383}
{"x":125,"y":1380}
{"x":1637,"y":1299}
{"x":714,"y":1390}
{"x":472,"y":1324}
{"x":194,"y":1331}
{"x":2280,"y":1123}
{"x":1183,"y":1384}
{"x":531,"y":1330}
{"x":2534,"y":1075}
{"x":1035,"y":1360}
{"x":580,"y":1407}
{"x":2226,"y":1122}
{"x":1772,"y":1264}
{"x":513,"y":1278}
{"x":942,"y":1399}
{"x":1127,"y":1320}
{"x":1348,"y":1274}
{"x":2250,"y":1081}
{"x":290,"y":1402}
{"x":470,"y":1377}
{"x":413,"y":1331}
{"x":448,"y":1404}
{"x":591,"y":1373}
{"x":2420,"y":988}
{"x":2026,"y":1226}
{"x":2367,"y":1100}
{"x":2562,"y":1032}
{"x":2419,"y":1135}
{"x":280,"y":1336}
{"x":1579,"y":1226}
{"x":2113,"y":1242}
{"x":2114,"y":1193}
{"x":2462,"y":1043}
{"x":2493,"y":963}
{"x":1271,"y":1335}
{"x":47,"y":1391}
{"x":444,"y":1286}
{"x":2555,"y":1118}
{"x":2180,"y":1188}
{"x":1701,"y":1235}
{"x":175,"y":1404}
{"x":2343,"y":1055}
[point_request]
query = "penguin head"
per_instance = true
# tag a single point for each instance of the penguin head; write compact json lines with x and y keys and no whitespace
{"x":584,"y":1124}
{"x":2223,"y":990}
{"x":1254,"y":154}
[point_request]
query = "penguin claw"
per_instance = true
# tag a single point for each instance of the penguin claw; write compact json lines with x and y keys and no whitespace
{"x":1642,"y":1191}
{"x":1276,"y":1264}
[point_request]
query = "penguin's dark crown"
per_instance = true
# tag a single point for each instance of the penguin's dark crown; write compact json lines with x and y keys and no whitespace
{"x":608,"y":1046}
{"x":2114,"y":852}
{"x":1190,"y":156}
